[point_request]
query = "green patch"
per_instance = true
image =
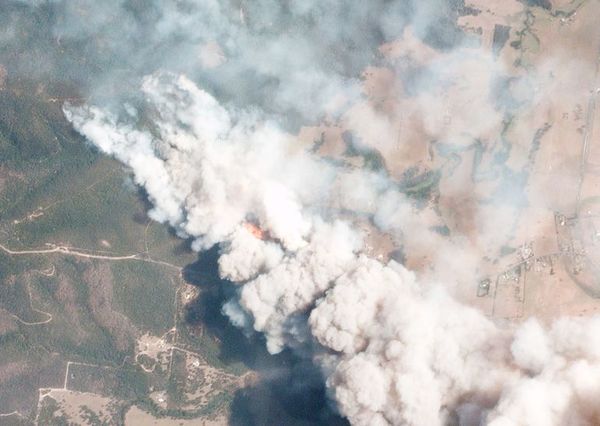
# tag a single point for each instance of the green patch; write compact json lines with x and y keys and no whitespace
{"x":92,"y":418}
{"x":372,"y":159}
{"x":50,"y":414}
{"x":219,"y":402}
{"x":506,"y":250}
{"x":145,"y":293}
{"x":73,"y":331}
{"x":146,"y":362}
{"x":126,"y":383}
{"x":421,"y":187}
{"x":208,"y":347}
{"x":177,"y":380}
{"x":15,"y":420}
{"x":442,"y":230}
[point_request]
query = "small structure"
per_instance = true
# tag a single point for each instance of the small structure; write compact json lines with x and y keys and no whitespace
{"x":483,"y":288}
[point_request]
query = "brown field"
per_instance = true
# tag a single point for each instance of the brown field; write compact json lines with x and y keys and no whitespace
{"x":504,"y":231}
{"x":137,"y":417}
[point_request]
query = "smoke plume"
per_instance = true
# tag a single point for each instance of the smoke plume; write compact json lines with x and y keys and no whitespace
{"x":205,"y":110}
{"x":394,"y":350}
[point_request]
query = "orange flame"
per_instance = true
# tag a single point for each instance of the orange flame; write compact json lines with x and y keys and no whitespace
{"x":255,"y":230}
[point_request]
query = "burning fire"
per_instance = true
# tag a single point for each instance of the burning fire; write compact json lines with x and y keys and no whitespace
{"x":256,"y":231}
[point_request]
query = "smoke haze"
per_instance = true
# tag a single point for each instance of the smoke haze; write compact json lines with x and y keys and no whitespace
{"x":204,"y":102}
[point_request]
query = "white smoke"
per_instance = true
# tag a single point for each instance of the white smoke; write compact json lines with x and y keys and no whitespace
{"x":394,"y":350}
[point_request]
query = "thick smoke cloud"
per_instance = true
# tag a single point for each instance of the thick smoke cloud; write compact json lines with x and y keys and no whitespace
{"x":197,"y":97}
{"x":394,"y":350}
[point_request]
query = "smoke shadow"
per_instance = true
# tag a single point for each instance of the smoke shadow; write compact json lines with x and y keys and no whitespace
{"x":292,"y":395}
{"x":290,"y":390}
{"x":205,"y":310}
